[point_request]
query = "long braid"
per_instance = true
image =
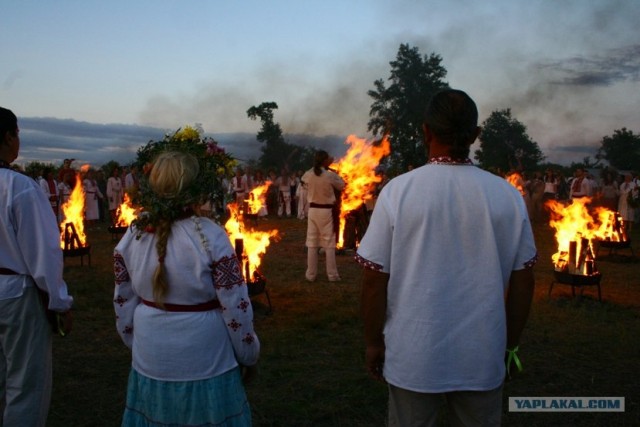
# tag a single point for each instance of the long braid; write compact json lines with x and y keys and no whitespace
{"x":160,"y":285}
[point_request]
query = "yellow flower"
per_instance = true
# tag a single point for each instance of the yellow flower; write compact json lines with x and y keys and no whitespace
{"x":187,"y":133}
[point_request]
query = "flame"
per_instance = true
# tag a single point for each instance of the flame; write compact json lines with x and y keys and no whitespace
{"x":255,"y":242}
{"x":577,"y":229}
{"x":126,"y":212}
{"x":85,"y":168}
{"x":517,"y":181}
{"x":73,"y":213}
{"x":357,"y":168}
{"x":257,"y":198}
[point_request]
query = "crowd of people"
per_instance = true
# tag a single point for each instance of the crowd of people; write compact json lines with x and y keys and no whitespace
{"x":182,"y":305}
{"x":609,"y":189}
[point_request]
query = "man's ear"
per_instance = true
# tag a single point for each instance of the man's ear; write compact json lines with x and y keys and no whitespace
{"x":427,"y":135}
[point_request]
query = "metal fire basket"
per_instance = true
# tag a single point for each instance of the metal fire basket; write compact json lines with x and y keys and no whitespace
{"x":72,"y":245}
{"x":577,"y":281}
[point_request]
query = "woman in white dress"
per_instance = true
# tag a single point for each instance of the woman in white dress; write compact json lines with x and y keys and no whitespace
{"x":114,"y":193}
{"x":183,"y":308}
{"x":626,"y":212}
{"x":91,"y":195}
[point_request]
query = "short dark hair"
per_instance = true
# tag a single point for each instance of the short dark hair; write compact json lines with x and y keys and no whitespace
{"x":8,"y":123}
{"x":452,"y":116}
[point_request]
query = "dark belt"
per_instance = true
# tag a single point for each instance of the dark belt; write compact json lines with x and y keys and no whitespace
{"x":205,"y":306}
{"x":320,"y":206}
{"x":7,"y":272}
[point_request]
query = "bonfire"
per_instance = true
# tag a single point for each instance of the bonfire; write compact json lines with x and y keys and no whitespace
{"x":358,"y":169}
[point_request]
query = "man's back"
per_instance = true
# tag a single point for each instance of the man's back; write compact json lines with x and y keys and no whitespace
{"x":456,"y":233}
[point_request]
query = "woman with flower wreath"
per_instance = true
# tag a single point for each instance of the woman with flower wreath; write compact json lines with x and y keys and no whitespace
{"x":182,"y":307}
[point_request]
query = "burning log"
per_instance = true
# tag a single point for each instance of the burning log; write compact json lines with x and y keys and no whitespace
{"x":72,"y":246}
{"x":256,"y":282}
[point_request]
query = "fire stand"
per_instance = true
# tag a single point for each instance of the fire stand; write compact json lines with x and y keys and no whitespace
{"x":72,"y":245}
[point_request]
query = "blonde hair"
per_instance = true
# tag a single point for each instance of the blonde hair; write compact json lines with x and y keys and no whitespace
{"x":172,"y":173}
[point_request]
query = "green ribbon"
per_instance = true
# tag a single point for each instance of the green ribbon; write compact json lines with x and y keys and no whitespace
{"x":513,"y":357}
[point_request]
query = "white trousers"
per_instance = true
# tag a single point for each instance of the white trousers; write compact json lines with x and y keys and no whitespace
{"x":25,"y":361}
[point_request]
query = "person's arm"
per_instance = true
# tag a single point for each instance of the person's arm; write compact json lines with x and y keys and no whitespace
{"x":374,"y":311}
{"x":518,"y":304}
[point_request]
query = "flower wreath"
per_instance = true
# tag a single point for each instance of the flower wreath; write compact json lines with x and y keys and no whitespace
{"x":214,"y":164}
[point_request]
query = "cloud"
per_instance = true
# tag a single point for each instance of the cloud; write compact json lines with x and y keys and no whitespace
{"x":51,"y":140}
{"x":612,"y":66}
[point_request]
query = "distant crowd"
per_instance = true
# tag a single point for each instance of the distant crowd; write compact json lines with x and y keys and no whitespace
{"x":286,"y":195}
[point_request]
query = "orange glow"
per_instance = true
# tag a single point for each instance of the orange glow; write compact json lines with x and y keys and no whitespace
{"x":357,"y":168}
{"x":85,"y":168}
{"x":577,"y":230}
{"x":255,"y":242}
{"x":126,"y":212}
{"x":257,"y":198}
{"x":517,"y":181}
{"x":73,"y":213}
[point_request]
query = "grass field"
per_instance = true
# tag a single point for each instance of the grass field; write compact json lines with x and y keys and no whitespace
{"x":311,"y":367}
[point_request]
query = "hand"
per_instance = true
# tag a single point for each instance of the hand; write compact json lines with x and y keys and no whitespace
{"x":249,"y":373}
{"x":65,"y":322}
{"x":374,"y":362}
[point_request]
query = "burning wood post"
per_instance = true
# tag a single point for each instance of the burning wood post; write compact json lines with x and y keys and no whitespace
{"x":576,"y":231}
{"x":358,"y":169}
{"x":250,"y":246}
{"x":125,"y":214}
{"x":72,"y":237}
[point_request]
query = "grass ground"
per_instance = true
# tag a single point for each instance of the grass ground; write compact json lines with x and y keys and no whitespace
{"x":311,"y":368}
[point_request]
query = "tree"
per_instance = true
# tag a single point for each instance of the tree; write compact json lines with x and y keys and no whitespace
{"x":35,"y":169}
{"x":505,"y":145}
{"x":621,"y":150}
{"x":398,"y":110}
{"x":277,"y":154}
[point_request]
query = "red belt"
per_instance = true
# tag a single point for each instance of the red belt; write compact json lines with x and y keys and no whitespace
{"x":205,"y":306}
{"x":320,"y":206}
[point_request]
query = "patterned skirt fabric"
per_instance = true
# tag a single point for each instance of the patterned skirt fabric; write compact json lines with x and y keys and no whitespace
{"x":218,"y":401}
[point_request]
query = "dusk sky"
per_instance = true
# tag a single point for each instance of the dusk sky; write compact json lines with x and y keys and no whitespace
{"x":569,"y":70}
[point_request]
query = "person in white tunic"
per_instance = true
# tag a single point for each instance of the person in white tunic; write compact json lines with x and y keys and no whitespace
{"x":31,"y":266}
{"x":114,"y":193}
{"x":626,"y":211}
{"x":183,"y":309}
{"x":91,"y":195}
{"x":447,"y":245}
{"x":322,"y":187}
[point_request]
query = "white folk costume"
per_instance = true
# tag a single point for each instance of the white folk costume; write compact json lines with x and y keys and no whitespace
{"x":321,"y":225}
{"x":239,"y":189}
{"x":30,"y":259}
{"x":626,"y":212}
{"x":91,"y":195}
{"x":446,"y":325}
{"x":114,"y":192}
{"x":284,"y":195}
{"x":196,"y":345}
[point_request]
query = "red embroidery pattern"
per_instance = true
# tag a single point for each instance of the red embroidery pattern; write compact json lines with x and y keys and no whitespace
{"x":248,"y":339}
{"x":446,"y":160}
{"x":120,"y":300}
{"x":120,"y":269}
{"x":128,"y":330}
{"x":234,"y":324}
{"x":227,"y":273}
{"x":243,"y":305}
{"x":367,"y":264}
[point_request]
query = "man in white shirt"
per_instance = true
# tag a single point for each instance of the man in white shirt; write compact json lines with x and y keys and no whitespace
{"x":447,"y":245}
{"x":30,"y":263}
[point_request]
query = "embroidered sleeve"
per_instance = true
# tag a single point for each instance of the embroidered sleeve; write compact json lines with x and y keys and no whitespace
{"x":124,"y":300}
{"x":237,"y":311}
{"x":367,"y":264}
{"x":531,"y":262}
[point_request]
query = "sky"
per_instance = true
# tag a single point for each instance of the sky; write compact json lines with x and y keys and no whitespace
{"x":95,"y":80}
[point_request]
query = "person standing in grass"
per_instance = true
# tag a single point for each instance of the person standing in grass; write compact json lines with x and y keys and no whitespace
{"x":447,"y":245}
{"x":322,"y":187}
{"x":31,"y":263}
{"x":182,"y":307}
